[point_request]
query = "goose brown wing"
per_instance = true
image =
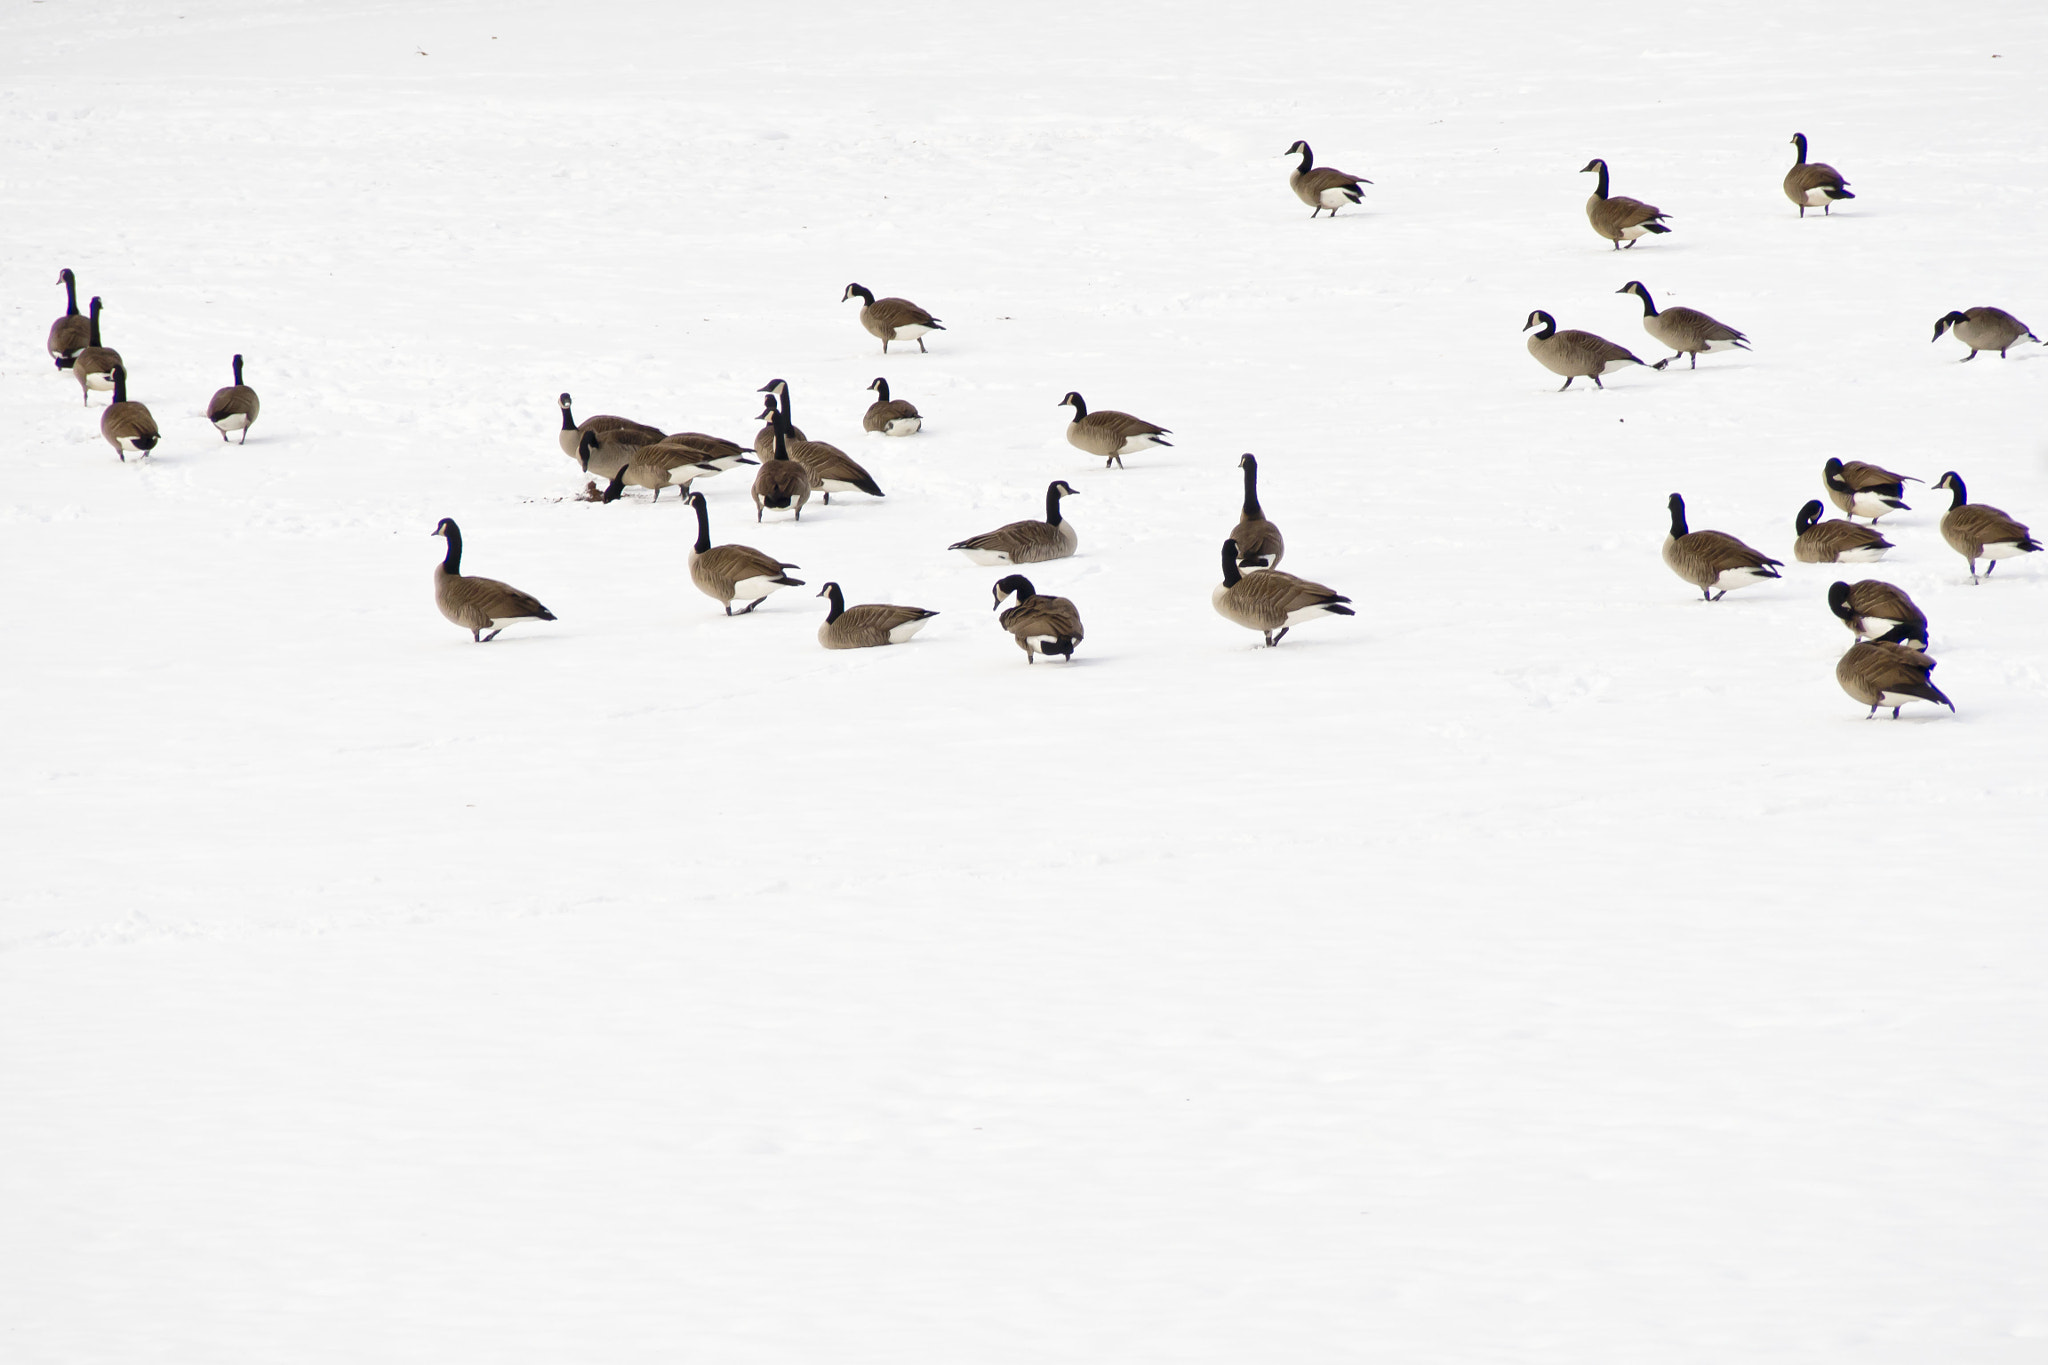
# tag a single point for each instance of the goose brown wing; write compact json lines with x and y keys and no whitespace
{"x":1122,"y":424}
{"x":1700,"y":325}
{"x":1054,"y":616}
{"x":231,"y":400}
{"x":1328,"y":178}
{"x":900,"y":313}
{"x":1718,"y":552}
{"x":1038,"y":539}
{"x":485,"y":600}
{"x":871,"y":622}
{"x":1258,"y":541}
{"x":735,"y":563}
{"x":1980,"y":524}
{"x":1827,"y":541}
{"x":879,"y":415}
{"x":822,"y":461}
{"x":1283,"y":593}
{"x":1861,"y":476}
{"x":1592,"y":349}
{"x":1620,"y":211}
{"x":1814,"y":175}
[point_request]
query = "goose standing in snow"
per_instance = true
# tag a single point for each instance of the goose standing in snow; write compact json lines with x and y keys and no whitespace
{"x":1619,"y":218}
{"x":1983,"y":329}
{"x":478,"y":604}
{"x":831,"y":469}
{"x":94,"y":366}
{"x":1879,"y":674}
{"x":1876,"y":610}
{"x":1687,"y":331}
{"x":235,"y":407}
{"x":780,"y":481}
{"x":1270,"y":601}
{"x":890,"y":416}
{"x":70,"y":333}
{"x":1865,"y":490}
{"x":1321,"y":187}
{"x":1109,"y":433}
{"x":1813,"y":184}
{"x":1575,"y":354}
{"x":1040,"y":625}
{"x":1977,"y":531}
{"x":1258,"y":541}
{"x":1027,"y":542}
{"x":892,"y":319}
{"x":128,"y":426}
{"x":1713,"y":561}
{"x":730,"y":573}
{"x":868,"y":625}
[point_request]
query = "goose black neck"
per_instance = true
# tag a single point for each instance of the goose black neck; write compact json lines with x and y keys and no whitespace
{"x":1962,"y":496}
{"x":703,"y":524}
{"x":120,"y":386}
{"x":568,"y":419}
{"x":70,"y":295}
{"x":93,"y":323}
{"x":452,"y":561}
{"x":1807,"y":516}
{"x":1230,"y":573}
{"x":781,"y":436}
{"x":1307,"y":158}
{"x":1549,"y":328}
{"x":881,"y":390}
{"x":1600,"y":192}
{"x":1080,"y":407}
{"x":1052,"y":504}
{"x":1677,"y":516}
{"x":238,"y":371}
{"x":865,"y":296}
{"x":1799,"y":141}
{"x":782,"y":404}
{"x":838,"y":603}
{"x":1838,"y":601}
{"x":1649,"y":304}
{"x":1251,"y":488}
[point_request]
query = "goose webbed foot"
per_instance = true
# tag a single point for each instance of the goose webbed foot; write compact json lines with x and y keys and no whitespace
{"x":1662,"y":363}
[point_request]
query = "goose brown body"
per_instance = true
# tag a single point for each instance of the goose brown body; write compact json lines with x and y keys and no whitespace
{"x":780,"y":481}
{"x":94,"y":366}
{"x":1259,"y":543}
{"x":1619,"y":218}
{"x":1984,"y":329}
{"x":729,"y":573}
{"x":478,"y":604}
{"x":1039,"y":624}
{"x":1323,"y":187}
{"x":869,"y":625}
{"x":1864,"y":490}
{"x":1027,"y":542}
{"x":1575,"y":354}
{"x":1813,"y":184}
{"x":605,"y":452}
{"x":571,"y":434}
{"x":1977,"y":530}
{"x":1271,"y":601}
{"x":1713,"y":561}
{"x":890,"y":416}
{"x":1687,"y":331}
{"x":127,"y":426}
{"x":235,"y":407}
{"x":1109,"y":433}
{"x":1834,"y":542}
{"x":70,"y":333}
{"x":892,"y":319}
{"x":1879,"y":674}
{"x":1876,"y":610}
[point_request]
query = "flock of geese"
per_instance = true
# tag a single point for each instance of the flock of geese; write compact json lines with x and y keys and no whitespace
{"x":1888,"y":666}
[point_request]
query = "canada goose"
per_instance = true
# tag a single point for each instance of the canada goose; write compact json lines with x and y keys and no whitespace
{"x":1878,"y":674}
{"x":890,"y":416}
{"x":1712,"y":561}
{"x":864,"y":627}
{"x":732,"y":573}
{"x":605,"y":453}
{"x":94,"y":366}
{"x":1687,"y":331}
{"x":572,"y":431}
{"x":1321,"y":187}
{"x":69,"y":334}
{"x":715,"y":453}
{"x":1270,"y":601}
{"x":478,"y":604}
{"x":1979,"y":531}
{"x":127,"y":426}
{"x":1027,"y":542}
{"x":1983,"y":329}
{"x":234,"y":408}
{"x":1575,"y":354}
{"x":892,"y":319}
{"x":780,"y":481}
{"x":1259,"y":545}
{"x":1813,"y":184}
{"x":1620,"y":219}
{"x":1877,"y":610}
{"x":656,"y":466}
{"x":1109,"y":433}
{"x":764,"y":439}
{"x":1865,"y":490}
{"x":1835,"y":542}
{"x":1040,"y":625}
{"x":832,"y":470}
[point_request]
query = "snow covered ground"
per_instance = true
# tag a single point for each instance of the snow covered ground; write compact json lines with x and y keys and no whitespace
{"x":1544,"y":966}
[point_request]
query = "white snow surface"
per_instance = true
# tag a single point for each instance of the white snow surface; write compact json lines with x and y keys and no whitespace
{"x":1543,"y":966}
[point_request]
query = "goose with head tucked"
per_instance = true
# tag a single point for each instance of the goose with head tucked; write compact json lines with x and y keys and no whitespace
{"x":1271,"y":601}
{"x":1027,"y":542}
{"x":1259,"y":544}
{"x":128,"y":426}
{"x":1865,"y":490}
{"x":478,"y":604}
{"x":892,"y":319}
{"x":1836,"y":541}
{"x":1619,"y":218}
{"x":1814,"y":184}
{"x":94,"y":366}
{"x":1687,"y":331}
{"x":890,"y":416}
{"x":1322,"y":187}
{"x":1879,"y":674}
{"x":70,"y":333}
{"x":1713,"y":561}
{"x":868,"y":625}
{"x":734,"y":573}
{"x":1876,"y":610}
{"x":1109,"y":433}
{"x":1983,"y":329}
{"x":1039,"y":625}
{"x":1575,"y":354}
{"x":235,"y":407}
{"x":1977,"y":530}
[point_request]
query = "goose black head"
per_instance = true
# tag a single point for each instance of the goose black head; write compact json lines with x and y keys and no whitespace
{"x":1838,"y":600}
{"x":616,"y":489}
{"x":1016,"y":583}
{"x":696,"y":500}
{"x":1633,"y":287}
{"x":1247,"y":461}
{"x":1677,"y":506}
{"x":1954,"y":483}
{"x":1942,"y":324}
{"x":1072,"y":400}
{"x":880,"y":385}
{"x":1808,"y":515}
{"x":1063,"y":488}
{"x":445,"y":527}
{"x":65,"y":276}
{"x":866,"y":296}
{"x":776,"y":386}
{"x":1799,"y":141}
{"x":563,"y":402}
{"x":1539,"y":318}
{"x":1596,"y":164}
{"x":584,"y":446}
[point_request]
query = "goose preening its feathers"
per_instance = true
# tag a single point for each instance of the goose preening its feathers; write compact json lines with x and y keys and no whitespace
{"x":94,"y":366}
{"x":1876,"y":610}
{"x":1027,"y":542}
{"x":892,"y":319}
{"x":571,"y":434}
{"x":1269,"y":601}
{"x":731,"y":573}
{"x":1813,"y":184}
{"x":1865,"y":490}
{"x":1109,"y":433}
{"x":70,"y":333}
{"x":1835,"y":542}
{"x":1259,"y":545}
{"x":868,"y":625}
{"x":1983,"y":329}
{"x":127,"y":426}
{"x":1040,"y":625}
{"x":1619,"y":218}
{"x":235,"y":407}
{"x":606,"y":452}
{"x":1687,"y":331}
{"x":1880,"y":674}
{"x":1575,"y":354}
{"x":478,"y":604}
{"x":890,"y":416}
{"x":1712,"y":561}
{"x":1978,"y":531}
{"x":1322,"y":187}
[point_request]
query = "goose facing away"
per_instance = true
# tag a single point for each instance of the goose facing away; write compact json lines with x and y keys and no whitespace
{"x":605,"y":453}
{"x":780,"y":481}
{"x":1983,"y":329}
{"x":1323,"y":187}
{"x":892,"y":319}
{"x":572,"y":431}
{"x":234,"y":408}
{"x":731,"y":573}
{"x":831,"y":469}
{"x":868,"y":625}
{"x":1712,"y":561}
{"x":1109,"y":433}
{"x":1039,"y":625}
{"x":1813,"y":184}
{"x":94,"y":366}
{"x":1575,"y":354}
{"x":1835,"y":542}
{"x":1259,"y":545}
{"x":478,"y":604}
{"x":1027,"y":542}
{"x":1865,"y":490}
{"x":890,"y":416}
{"x":1876,"y":610}
{"x":127,"y":426}
{"x":1619,"y":218}
{"x":1978,"y":531}
{"x":764,"y":439}
{"x":1687,"y":331}
{"x":70,"y":333}
{"x":1879,"y":674}
{"x":1270,"y":601}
